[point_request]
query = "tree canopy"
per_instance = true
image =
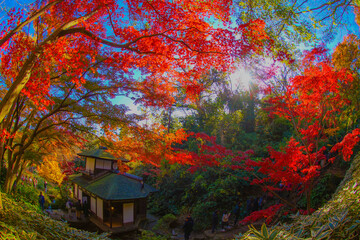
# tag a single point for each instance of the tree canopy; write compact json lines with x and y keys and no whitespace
{"x":63,"y":62}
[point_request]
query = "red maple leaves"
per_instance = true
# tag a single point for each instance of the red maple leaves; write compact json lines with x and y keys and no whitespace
{"x":171,"y":43}
{"x":267,"y":214}
{"x":347,"y":144}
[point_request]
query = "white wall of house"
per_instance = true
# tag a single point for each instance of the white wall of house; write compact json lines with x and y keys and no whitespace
{"x":128,"y":212}
{"x":99,"y":209}
{"x":93,"y":204}
{"x":90,"y":164}
{"x":103,"y":164}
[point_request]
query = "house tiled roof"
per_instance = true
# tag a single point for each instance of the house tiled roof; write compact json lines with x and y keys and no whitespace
{"x":115,"y":187}
{"x":101,"y":153}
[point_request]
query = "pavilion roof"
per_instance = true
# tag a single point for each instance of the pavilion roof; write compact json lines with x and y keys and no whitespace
{"x":101,"y":153}
{"x":114,"y":186}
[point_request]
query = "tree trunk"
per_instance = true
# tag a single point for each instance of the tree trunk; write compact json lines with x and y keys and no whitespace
{"x":15,"y":89}
{"x":11,"y":175}
{"x":308,"y":200}
{"x":1,"y":205}
{"x":221,"y":133}
{"x":9,"y":181}
{"x":18,"y":176}
{"x":169,"y":120}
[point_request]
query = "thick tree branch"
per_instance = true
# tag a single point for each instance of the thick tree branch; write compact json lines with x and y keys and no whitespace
{"x":128,"y":45}
{"x":25,"y":72}
{"x":34,"y":16}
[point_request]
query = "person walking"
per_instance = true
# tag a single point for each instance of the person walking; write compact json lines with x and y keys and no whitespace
{"x":41,"y":201}
{"x":86,"y":208}
{"x":45,"y":185}
{"x":215,"y":220}
{"x":188,"y":227}
{"x":225,"y":220}
{"x":236,"y":213}
{"x":78,"y":210}
{"x":68,"y":207}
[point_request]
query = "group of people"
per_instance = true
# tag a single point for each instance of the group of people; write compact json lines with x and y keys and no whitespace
{"x":225,"y":219}
{"x":254,"y":204}
{"x":29,"y":180}
{"x":79,"y":207}
{"x":42,"y":202}
{"x":33,"y":182}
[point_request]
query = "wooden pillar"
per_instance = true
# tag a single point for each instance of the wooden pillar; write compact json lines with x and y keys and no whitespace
{"x":136,"y":207}
{"x":111,"y":212}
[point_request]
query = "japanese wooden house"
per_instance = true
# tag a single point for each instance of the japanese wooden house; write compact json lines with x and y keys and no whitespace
{"x":117,"y":202}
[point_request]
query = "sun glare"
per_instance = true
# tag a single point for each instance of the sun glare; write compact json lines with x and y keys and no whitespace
{"x":240,"y":79}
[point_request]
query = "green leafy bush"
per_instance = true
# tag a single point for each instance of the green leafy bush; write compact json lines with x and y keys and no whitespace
{"x":21,"y":220}
{"x":202,"y":214}
{"x":27,"y":193}
{"x":149,"y":235}
{"x":200,"y":193}
{"x":166,"y":223}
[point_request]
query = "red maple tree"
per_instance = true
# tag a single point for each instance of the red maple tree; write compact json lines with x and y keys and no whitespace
{"x":312,"y":102}
{"x":170,"y":43}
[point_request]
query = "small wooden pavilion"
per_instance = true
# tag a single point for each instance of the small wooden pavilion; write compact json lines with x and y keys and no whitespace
{"x":117,"y":202}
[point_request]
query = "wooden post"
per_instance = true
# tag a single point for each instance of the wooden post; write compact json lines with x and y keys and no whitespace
{"x":111,"y":211}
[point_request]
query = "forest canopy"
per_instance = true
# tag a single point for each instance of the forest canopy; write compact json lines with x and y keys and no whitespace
{"x":64,"y":65}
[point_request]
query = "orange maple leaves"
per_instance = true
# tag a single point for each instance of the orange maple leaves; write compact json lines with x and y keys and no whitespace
{"x":150,"y":144}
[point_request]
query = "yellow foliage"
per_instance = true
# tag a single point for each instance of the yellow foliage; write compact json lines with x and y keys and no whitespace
{"x":51,"y":170}
{"x":331,"y":131}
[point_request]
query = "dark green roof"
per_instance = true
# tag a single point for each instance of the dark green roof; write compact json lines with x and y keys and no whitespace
{"x":115,"y":187}
{"x":100,"y":153}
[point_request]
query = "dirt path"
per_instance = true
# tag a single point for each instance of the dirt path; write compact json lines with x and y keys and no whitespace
{"x":218,"y":235}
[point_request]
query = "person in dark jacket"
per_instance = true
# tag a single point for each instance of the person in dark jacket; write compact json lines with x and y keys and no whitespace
{"x":248,"y":206}
{"x":78,"y":209}
{"x":86,"y":208}
{"x":41,"y":201}
{"x":188,"y":227}
{"x":215,"y":220}
{"x":236,"y":213}
{"x":255,"y":205}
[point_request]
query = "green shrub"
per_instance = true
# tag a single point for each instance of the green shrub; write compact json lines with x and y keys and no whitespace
{"x":165,"y":223}
{"x":59,"y":203}
{"x":27,"y":193}
{"x":199,"y":193}
{"x":202,"y":214}
{"x":149,"y":235}
{"x":21,"y":220}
